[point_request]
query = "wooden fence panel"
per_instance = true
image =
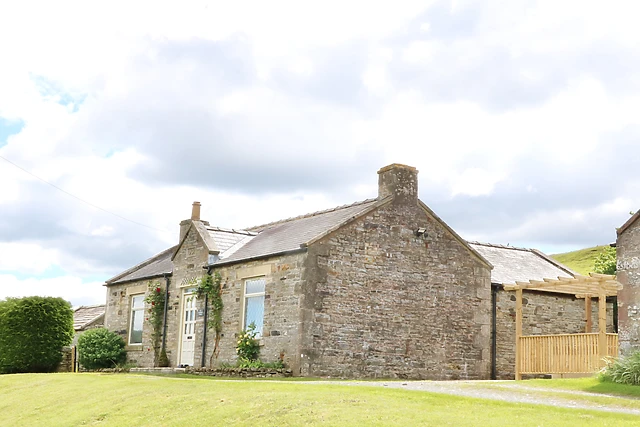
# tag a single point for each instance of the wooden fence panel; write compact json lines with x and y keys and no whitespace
{"x":565,"y":353}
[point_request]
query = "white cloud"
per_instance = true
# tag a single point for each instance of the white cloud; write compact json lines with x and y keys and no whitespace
{"x":103,"y":230}
{"x":475,"y":182}
{"x":69,"y":288}
{"x":439,"y":95}
{"x":26,"y":257}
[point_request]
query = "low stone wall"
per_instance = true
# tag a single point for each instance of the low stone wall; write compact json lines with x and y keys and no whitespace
{"x":241,"y":372}
{"x":107,"y":370}
{"x":66,"y":365}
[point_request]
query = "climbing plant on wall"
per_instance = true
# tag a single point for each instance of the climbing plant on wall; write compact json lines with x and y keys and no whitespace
{"x":210,"y":286}
{"x":155,"y":299}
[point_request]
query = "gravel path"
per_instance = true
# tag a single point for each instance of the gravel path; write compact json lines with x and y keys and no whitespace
{"x":507,"y":391}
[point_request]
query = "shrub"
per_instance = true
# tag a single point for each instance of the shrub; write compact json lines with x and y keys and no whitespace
{"x":100,"y":348}
{"x":624,"y":370}
{"x":605,"y":262}
{"x":248,"y":347}
{"x":33,"y":331}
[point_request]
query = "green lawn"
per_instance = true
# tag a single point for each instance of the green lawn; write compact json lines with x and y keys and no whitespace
{"x":589,"y":385}
{"x":581,"y":261}
{"x":127,"y":399}
{"x":588,"y":391}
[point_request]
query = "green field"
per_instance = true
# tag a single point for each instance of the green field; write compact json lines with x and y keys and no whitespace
{"x":126,"y":399}
{"x":580,"y":261}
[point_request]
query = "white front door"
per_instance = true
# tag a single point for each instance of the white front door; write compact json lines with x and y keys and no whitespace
{"x":188,"y":329}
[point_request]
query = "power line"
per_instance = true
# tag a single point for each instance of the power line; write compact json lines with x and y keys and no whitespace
{"x":80,"y":199}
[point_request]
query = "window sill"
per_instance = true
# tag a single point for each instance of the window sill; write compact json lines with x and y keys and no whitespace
{"x":133,"y":347}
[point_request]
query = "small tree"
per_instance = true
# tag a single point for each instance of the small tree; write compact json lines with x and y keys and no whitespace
{"x":33,"y":331}
{"x":605,"y":262}
{"x":100,"y":348}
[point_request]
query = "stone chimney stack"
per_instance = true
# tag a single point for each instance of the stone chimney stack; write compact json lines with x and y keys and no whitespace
{"x":399,"y":181}
{"x":185,"y":224}
{"x":195,"y":211}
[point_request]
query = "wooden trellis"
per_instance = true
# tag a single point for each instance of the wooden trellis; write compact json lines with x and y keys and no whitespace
{"x":567,"y":353}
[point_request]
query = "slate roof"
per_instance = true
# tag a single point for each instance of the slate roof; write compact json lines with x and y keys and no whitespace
{"x":155,"y":266}
{"x":291,"y":234}
{"x":85,"y":315}
{"x":511,"y":264}
{"x":627,"y":224}
{"x":225,"y":238}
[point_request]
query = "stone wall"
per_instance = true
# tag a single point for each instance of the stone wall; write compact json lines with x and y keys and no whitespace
{"x":628,"y":255}
{"x":118,"y":318}
{"x":188,"y":268}
{"x":281,"y":337}
{"x":381,"y":301}
{"x":66,"y":365}
{"x":542,"y":314}
{"x":241,"y":372}
{"x":281,"y":316}
{"x":189,"y":263}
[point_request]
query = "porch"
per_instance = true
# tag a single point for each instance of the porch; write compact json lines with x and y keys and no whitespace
{"x":567,"y":353}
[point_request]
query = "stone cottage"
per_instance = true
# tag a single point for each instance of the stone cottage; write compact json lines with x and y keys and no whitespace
{"x":628,"y":273}
{"x":378,"y":288}
{"x":87,"y":317}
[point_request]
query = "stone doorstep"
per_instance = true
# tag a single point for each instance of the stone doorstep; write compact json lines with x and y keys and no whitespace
{"x":158,"y":370}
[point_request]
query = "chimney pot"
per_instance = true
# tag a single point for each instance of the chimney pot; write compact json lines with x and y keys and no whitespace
{"x":195,"y":211}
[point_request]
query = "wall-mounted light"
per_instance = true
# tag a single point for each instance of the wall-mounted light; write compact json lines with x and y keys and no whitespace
{"x":421,"y":232}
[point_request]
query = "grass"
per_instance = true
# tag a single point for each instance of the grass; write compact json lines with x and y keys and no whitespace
{"x":127,"y":399}
{"x":581,"y":261}
{"x":588,"y":391}
{"x":589,"y":385}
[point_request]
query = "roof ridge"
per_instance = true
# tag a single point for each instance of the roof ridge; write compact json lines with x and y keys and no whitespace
{"x":497,"y":245}
{"x":90,"y":306}
{"x":309,"y":215}
{"x":231,"y":230}
{"x":554,"y":262}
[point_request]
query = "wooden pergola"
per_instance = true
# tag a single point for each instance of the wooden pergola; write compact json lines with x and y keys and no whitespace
{"x":567,"y":353}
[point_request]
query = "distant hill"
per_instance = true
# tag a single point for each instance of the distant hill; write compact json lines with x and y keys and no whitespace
{"x":580,"y":261}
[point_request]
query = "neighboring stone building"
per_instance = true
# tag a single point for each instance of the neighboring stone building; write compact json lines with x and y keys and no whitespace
{"x":545,"y":313}
{"x":87,"y":317}
{"x":379,"y":288}
{"x":628,"y":274}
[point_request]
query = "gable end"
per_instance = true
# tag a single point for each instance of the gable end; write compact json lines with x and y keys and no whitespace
{"x":454,"y":234}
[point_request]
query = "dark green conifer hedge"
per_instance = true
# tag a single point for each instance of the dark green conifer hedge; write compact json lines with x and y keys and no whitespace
{"x":33,"y":331}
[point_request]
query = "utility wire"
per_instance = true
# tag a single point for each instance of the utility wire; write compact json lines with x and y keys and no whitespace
{"x":79,"y":199}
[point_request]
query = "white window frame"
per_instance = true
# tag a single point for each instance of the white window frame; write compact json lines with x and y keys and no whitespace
{"x":246,"y":296}
{"x":132,"y":318}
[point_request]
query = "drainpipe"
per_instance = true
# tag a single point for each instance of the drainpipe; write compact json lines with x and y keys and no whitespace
{"x":204,"y":334}
{"x":494,"y":332}
{"x":166,"y":307}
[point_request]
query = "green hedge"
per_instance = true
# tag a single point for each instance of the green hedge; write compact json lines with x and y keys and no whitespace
{"x":33,"y":331}
{"x":100,"y":348}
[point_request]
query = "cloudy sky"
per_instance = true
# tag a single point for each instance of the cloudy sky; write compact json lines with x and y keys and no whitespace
{"x":521,"y":116}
